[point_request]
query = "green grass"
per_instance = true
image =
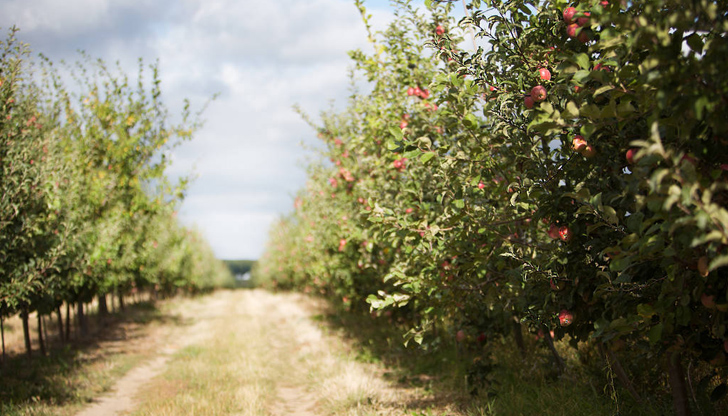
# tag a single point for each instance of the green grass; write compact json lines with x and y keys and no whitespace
{"x":511,"y":385}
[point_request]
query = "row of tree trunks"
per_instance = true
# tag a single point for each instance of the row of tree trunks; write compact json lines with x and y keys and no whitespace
{"x":64,"y":331}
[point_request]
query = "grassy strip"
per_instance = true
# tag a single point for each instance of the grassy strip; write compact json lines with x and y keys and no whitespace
{"x":492,"y":378}
{"x":267,"y":356}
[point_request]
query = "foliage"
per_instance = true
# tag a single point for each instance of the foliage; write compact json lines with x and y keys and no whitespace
{"x":568,"y":175}
{"x":85,"y":206}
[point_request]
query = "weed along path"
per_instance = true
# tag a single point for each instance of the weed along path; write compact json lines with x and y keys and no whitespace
{"x":252,"y":352}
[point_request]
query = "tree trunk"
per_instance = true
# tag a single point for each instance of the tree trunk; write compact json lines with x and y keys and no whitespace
{"x":2,"y":334}
{"x":518,"y":335}
{"x":103,"y":308}
{"x":677,"y":385}
{"x":121,"y":301}
{"x":41,"y":343}
{"x":59,"y":317}
{"x":26,"y":332}
{"x":616,"y":366}
{"x":68,"y":321}
{"x":113,"y":303}
{"x":550,"y":342}
{"x":45,"y":331}
{"x":82,"y":322}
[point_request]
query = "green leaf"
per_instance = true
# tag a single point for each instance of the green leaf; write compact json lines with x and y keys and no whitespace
{"x":581,"y":75}
{"x":590,"y":111}
{"x":646,"y":311}
{"x":583,"y":61}
{"x":601,"y":90}
{"x":470,"y":121}
{"x":427,"y":156}
{"x":396,"y":132}
{"x":572,"y":111}
{"x":610,"y":215}
{"x":655,"y":334}
{"x":718,"y":262}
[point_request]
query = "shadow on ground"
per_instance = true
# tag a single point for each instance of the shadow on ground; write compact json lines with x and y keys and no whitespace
{"x":74,"y":371}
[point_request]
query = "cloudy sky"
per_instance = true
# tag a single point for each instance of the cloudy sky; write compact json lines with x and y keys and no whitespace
{"x":262,"y":57}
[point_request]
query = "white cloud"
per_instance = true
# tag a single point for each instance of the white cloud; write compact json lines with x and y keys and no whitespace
{"x":262,"y":57}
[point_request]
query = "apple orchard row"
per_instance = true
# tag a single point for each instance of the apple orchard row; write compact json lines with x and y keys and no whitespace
{"x":86,"y":209}
{"x":568,"y":176}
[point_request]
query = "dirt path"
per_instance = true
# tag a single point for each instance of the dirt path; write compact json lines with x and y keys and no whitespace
{"x":121,"y":399}
{"x":252,"y":353}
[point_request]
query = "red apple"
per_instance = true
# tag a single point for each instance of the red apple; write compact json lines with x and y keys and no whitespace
{"x":589,"y":152}
{"x":481,"y":185}
{"x":538,"y":93}
{"x":553,"y":231}
{"x":583,"y":21}
{"x":460,"y":336}
{"x":410,"y":91}
{"x":708,"y":301}
{"x":568,"y":14}
{"x":578,"y":144}
{"x":528,"y":101}
{"x":439,"y":30}
{"x":571,"y":30}
{"x":703,"y":266}
{"x":403,"y":124}
{"x":565,"y":318}
{"x":481,"y":338}
{"x":630,"y":156}
{"x":565,"y":233}
{"x":604,"y":3}
{"x":545,"y":74}
{"x":583,"y":36}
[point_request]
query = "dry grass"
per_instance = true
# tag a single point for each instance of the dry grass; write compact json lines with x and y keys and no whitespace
{"x":268,"y":357}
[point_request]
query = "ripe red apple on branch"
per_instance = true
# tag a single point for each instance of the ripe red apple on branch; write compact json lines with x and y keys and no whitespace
{"x":571,"y":30}
{"x":584,"y":20}
{"x":566,"y":318}
{"x":528,"y":102}
{"x":578,"y":143}
{"x":538,"y":93}
{"x":545,"y":74}
{"x":630,"y":156}
{"x":565,"y":233}
{"x":439,"y":30}
{"x":589,"y":151}
{"x":553,"y":231}
{"x":708,"y":300}
{"x":569,"y":14}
